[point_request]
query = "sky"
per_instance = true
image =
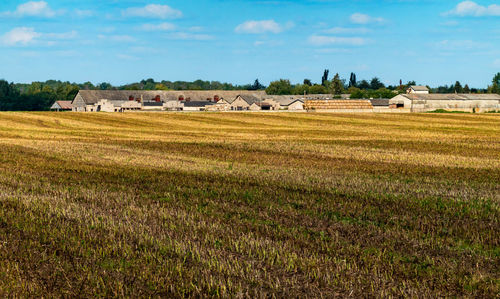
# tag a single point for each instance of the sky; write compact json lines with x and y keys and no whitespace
{"x":432,"y":42}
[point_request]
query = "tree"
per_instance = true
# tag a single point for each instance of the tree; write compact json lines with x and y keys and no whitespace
{"x":466,"y":89}
{"x":458,"y":87}
{"x":495,"y":88}
{"x":364,"y":84}
{"x":280,"y":87}
{"x":318,"y":89}
{"x":496,"y":79}
{"x":352,"y":80}
{"x":301,"y":89}
{"x":105,"y":86}
{"x":337,"y":85}
{"x":160,"y":86}
{"x":356,"y":93}
{"x":376,"y":84}
{"x":256,"y":85}
{"x":324,"y":79}
{"x":307,"y":82}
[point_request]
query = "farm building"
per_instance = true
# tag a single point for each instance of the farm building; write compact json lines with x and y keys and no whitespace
{"x":288,"y":102}
{"x":86,"y":99}
{"x":419,"y":89}
{"x":414,"y":102}
{"x":62,"y":106}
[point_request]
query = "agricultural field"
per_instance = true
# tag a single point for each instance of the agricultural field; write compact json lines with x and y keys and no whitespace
{"x":249,"y":205}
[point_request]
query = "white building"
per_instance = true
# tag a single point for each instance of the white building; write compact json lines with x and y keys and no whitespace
{"x":420,"y":89}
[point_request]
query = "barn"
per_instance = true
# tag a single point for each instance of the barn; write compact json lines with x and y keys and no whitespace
{"x":415,"y":102}
{"x":61,"y":106}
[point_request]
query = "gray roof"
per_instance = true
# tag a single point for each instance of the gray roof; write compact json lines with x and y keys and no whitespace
{"x":93,"y":96}
{"x":379,"y":102}
{"x":197,"y":104}
{"x":453,"y":96}
{"x":419,"y":88}
{"x":250,"y":99}
{"x":153,"y":104}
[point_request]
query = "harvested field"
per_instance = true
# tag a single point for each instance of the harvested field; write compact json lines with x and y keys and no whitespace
{"x":249,"y":205}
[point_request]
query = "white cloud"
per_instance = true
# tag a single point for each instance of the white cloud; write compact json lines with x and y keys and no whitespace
{"x":344,"y":30}
{"x":117,"y":38}
{"x":191,"y":36}
{"x":260,"y":27}
{"x":322,"y":40}
{"x":65,"y":35}
{"x":20,"y":35}
{"x":158,"y":27}
{"x":153,"y":11}
{"x":452,"y":45}
{"x":33,"y":9}
{"x":84,"y":13}
{"x":359,"y":18}
{"x":471,"y":8}
{"x":496,"y":63}
{"x":126,"y":57}
{"x":27,"y":35}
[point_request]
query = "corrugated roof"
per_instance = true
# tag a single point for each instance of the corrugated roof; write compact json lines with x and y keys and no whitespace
{"x":419,"y":88}
{"x":380,"y":102}
{"x":452,"y":96}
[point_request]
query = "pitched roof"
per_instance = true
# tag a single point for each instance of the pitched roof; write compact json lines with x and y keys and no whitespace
{"x":379,"y":102}
{"x":65,"y":105}
{"x":452,"y":96}
{"x":250,"y":99}
{"x":93,"y":96}
{"x":419,"y":88}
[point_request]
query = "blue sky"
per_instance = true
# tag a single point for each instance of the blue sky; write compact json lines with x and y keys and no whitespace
{"x":430,"y":41}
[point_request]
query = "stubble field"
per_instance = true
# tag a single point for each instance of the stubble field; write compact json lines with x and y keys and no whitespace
{"x":249,"y":205}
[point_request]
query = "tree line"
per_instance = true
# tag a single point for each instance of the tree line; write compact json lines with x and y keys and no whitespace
{"x":39,"y":96}
{"x":365,"y":89}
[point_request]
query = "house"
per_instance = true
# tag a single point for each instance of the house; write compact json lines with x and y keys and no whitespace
{"x":290,"y":103}
{"x":61,"y":106}
{"x":419,"y":89}
{"x":454,"y":102}
{"x":244,"y":102}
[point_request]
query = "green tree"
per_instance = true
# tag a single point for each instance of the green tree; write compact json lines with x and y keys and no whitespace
{"x":307,"y":82}
{"x":281,"y":87}
{"x":318,"y":89}
{"x":363,"y":84}
{"x":256,"y":85}
{"x":466,"y":88}
{"x":375,"y":84}
{"x":301,"y":89}
{"x":356,"y":93}
{"x":496,"y":79}
{"x":337,"y":86}
{"x":458,"y":87}
{"x":324,"y":79}
{"x":352,"y":80}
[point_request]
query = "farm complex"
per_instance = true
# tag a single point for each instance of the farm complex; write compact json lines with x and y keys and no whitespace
{"x":417,"y":99}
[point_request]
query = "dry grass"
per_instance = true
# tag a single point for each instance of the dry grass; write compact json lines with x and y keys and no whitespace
{"x":249,"y":205}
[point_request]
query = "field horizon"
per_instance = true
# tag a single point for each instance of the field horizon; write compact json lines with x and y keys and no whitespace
{"x":249,"y":205}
